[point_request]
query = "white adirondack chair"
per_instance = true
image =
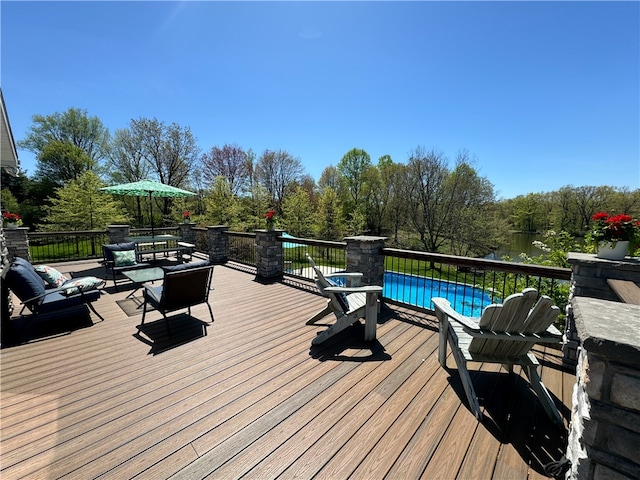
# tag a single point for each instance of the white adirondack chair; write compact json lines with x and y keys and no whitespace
{"x":347,"y":303}
{"x":504,"y":334}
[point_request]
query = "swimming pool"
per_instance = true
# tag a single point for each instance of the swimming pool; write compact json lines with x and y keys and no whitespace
{"x":418,"y":291}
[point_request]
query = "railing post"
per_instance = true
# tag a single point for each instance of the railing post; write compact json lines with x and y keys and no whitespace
{"x":17,"y":242}
{"x":117,"y":233}
{"x":269,"y":253}
{"x":187,"y":233}
{"x":218,"y":244}
{"x":364,"y":255}
{"x":589,"y":276}
{"x":601,"y":334}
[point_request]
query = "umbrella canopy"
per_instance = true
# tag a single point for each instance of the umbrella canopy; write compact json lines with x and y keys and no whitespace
{"x":147,"y":188}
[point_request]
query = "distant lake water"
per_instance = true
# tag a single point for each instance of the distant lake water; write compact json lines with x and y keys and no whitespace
{"x":518,"y":243}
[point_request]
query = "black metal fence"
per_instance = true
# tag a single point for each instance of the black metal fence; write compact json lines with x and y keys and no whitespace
{"x":242,"y":248}
{"x":66,"y":246}
{"x":411,"y":277}
{"x":468,"y":283}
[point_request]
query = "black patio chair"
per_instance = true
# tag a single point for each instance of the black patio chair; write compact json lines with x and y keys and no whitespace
{"x":120,"y":257}
{"x":183,"y":286}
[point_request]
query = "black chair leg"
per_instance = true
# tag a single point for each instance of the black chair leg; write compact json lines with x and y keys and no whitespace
{"x":90,"y":305}
{"x":144,"y":311}
{"x":166,"y":320}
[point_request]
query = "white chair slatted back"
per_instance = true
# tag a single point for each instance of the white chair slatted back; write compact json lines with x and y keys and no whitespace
{"x":508,"y":317}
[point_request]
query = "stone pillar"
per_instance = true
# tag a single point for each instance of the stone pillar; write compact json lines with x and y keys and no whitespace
{"x":6,"y":304}
{"x":187,"y":233}
{"x":589,"y":276}
{"x":218,"y":244}
{"x":117,"y":233}
{"x":364,"y":256}
{"x":269,"y":254}
{"x":604,"y":436}
{"x":17,"y":242}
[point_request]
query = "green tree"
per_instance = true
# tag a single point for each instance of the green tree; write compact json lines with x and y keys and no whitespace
{"x":330,"y":177}
{"x":222,"y":206}
{"x":472,"y":230}
{"x":329,"y":223}
{"x":81,"y":206}
{"x":298,"y":213}
{"x":9,"y":202}
{"x":353,"y":168}
{"x":529,"y":213}
{"x":63,"y":161}
{"x":72,"y":127}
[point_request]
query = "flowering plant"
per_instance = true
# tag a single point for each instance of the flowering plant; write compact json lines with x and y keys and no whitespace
{"x":11,"y":218}
{"x":270,"y":216}
{"x":618,"y":228}
{"x":186,"y":215}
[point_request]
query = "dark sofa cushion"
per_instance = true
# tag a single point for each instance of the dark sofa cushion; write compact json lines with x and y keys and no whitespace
{"x":56,"y":301}
{"x":24,"y":281}
{"x":185,"y":266}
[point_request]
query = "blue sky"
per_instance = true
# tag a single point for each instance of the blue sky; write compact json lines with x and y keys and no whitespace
{"x":541,"y":94}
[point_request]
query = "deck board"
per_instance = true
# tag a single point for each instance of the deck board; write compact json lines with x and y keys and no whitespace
{"x":248,"y":396}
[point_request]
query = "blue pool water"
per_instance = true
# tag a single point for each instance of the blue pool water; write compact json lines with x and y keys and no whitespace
{"x":418,"y":291}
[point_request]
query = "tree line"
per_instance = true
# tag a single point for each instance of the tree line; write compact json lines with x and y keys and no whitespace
{"x":426,"y":202}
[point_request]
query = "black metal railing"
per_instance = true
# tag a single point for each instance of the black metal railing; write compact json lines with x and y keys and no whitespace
{"x":202,"y":240}
{"x":242,"y":247}
{"x":469,"y":283}
{"x":411,"y":277}
{"x":331,"y":256}
{"x":66,"y":246}
{"x":144,"y":232}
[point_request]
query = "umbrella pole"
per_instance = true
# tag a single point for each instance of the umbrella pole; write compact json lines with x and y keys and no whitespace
{"x":151,"y":215}
{"x":151,"y":220}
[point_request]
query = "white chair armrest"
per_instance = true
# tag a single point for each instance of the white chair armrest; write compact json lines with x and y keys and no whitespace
{"x":443,"y":305}
{"x":366,"y":289}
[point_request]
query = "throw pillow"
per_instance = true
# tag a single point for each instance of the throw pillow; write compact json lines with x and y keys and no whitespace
{"x":124,"y":258}
{"x":50,"y":275}
{"x":83,"y":284}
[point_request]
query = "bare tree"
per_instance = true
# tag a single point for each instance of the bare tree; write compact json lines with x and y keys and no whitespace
{"x":149,"y":148}
{"x":278,"y":172}
{"x":429,"y":200}
{"x":127,"y":162}
{"x":229,"y":161}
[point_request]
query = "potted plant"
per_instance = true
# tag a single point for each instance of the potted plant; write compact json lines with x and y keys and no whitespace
{"x":612,"y":235}
{"x":11,"y":220}
{"x":270,"y":217}
{"x":186,"y":216}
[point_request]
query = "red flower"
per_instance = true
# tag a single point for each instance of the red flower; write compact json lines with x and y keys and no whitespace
{"x":11,"y":217}
{"x":618,"y":219}
{"x":269,"y":215}
{"x":621,"y":227}
{"x":186,"y":214}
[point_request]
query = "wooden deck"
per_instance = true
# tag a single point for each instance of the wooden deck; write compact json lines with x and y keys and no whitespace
{"x":247,"y":397}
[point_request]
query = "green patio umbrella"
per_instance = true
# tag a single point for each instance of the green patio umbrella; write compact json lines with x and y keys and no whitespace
{"x":147,"y":188}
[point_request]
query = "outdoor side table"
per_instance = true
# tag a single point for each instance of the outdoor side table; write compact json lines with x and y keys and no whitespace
{"x":143,"y":275}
